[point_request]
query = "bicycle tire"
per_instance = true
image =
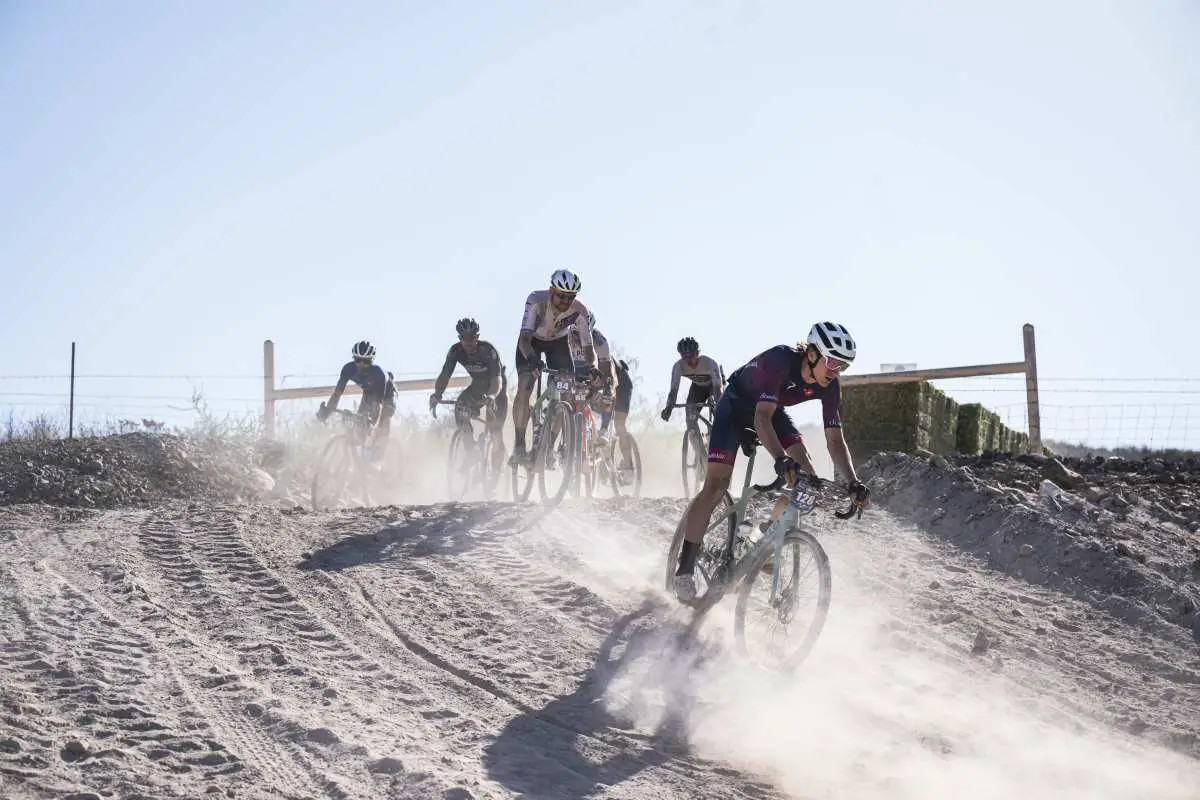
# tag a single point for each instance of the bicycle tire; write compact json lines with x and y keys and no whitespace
{"x":693,"y":476}
{"x":456,"y":468}
{"x":567,"y":430}
{"x":635,"y":456}
{"x":723,"y":508}
{"x":340,"y":441}
{"x":747,"y":574}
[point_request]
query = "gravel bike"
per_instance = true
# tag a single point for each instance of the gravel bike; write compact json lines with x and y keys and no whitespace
{"x":740,"y":558}
{"x":343,"y":470}
{"x":694,"y":455}
{"x":554,"y":439}
{"x":471,"y":460}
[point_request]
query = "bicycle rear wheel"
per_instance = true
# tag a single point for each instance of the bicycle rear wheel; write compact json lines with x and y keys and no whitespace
{"x":783,"y":600}
{"x":709,"y":561}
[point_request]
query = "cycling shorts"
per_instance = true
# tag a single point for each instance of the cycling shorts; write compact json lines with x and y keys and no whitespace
{"x":733,"y":424}
{"x":471,"y":399}
{"x":556,"y":352}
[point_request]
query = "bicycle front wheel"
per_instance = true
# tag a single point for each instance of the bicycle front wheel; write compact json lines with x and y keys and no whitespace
{"x":338,"y":475}
{"x":783,"y":601}
{"x":693,"y":461}
{"x":557,"y":454}
{"x":459,"y":467}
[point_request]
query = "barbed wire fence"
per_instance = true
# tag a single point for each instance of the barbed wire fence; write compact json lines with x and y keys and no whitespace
{"x":1155,"y":413}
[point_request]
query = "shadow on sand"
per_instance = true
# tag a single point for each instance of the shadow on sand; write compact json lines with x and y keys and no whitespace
{"x":444,"y":529}
{"x":574,"y":747}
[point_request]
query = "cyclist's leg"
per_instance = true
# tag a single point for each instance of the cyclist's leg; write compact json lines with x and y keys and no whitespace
{"x":624,"y":399}
{"x":495,"y":424}
{"x":521,"y":403}
{"x":470,"y":400}
{"x":722,"y":453}
{"x":558,"y":356}
{"x":696,"y":397}
{"x":379,"y":414}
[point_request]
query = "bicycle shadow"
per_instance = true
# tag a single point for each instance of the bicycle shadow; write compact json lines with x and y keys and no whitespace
{"x":574,"y":746}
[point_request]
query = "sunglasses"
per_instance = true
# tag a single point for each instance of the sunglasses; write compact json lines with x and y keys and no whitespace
{"x":362,"y":361}
{"x":558,"y":294}
{"x":836,"y":365}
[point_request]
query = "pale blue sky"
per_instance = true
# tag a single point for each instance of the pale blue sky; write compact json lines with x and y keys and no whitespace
{"x":179,"y":181}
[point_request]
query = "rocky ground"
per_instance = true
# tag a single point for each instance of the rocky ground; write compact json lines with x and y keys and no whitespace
{"x":1122,"y":534}
{"x":132,"y":469}
{"x":1000,"y":626}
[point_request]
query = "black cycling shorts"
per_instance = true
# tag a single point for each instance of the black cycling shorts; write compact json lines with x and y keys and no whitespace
{"x":698,"y":395}
{"x":624,"y":393}
{"x":471,"y":399}
{"x":556,"y":352}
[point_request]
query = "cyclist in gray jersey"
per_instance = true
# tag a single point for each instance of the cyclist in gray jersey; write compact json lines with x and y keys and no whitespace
{"x":705,"y":374}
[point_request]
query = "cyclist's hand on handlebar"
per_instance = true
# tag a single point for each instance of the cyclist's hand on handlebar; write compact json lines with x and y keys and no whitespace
{"x":861,"y":493}
{"x":323,"y":412}
{"x":785,"y":465}
{"x":666,"y":415}
{"x":433,"y":401}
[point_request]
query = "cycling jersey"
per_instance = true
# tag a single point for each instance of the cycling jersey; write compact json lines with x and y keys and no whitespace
{"x":376,"y":384}
{"x":707,"y":373}
{"x":547,"y":324}
{"x":482,"y":365}
{"x":774,"y":376}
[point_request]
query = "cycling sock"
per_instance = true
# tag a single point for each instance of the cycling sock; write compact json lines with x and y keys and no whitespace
{"x":687,"y":558}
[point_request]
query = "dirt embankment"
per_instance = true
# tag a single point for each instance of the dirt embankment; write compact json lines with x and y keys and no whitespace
{"x":134,"y":469}
{"x":1119,"y":534}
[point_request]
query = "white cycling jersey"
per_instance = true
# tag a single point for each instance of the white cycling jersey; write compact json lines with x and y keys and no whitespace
{"x":707,"y":373}
{"x":546,"y":324}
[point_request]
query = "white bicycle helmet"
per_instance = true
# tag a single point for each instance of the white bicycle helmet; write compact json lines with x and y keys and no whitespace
{"x":832,"y":340}
{"x":565,"y":281}
{"x":363,"y":349}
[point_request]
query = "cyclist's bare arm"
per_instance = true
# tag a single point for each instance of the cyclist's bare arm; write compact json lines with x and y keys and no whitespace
{"x":839,"y":453}
{"x":764,"y":410}
{"x":718,"y":379}
{"x":525,"y":344}
{"x":443,"y":379}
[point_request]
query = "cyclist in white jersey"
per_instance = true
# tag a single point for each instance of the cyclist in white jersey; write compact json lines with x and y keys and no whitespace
{"x":704,"y":372}
{"x":549,"y":313}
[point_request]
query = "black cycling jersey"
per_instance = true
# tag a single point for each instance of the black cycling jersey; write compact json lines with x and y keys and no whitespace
{"x":482,"y":365}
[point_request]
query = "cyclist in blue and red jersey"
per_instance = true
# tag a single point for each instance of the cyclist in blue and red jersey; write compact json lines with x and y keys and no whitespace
{"x":754,"y":398}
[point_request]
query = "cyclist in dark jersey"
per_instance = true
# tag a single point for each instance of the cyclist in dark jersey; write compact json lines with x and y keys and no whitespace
{"x":488,"y":387}
{"x":378,"y":402}
{"x":754,"y":398}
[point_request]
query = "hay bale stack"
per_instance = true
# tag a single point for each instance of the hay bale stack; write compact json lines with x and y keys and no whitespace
{"x":899,"y":416}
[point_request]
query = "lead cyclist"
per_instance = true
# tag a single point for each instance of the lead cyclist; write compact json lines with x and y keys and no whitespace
{"x":549,"y":313}
{"x":755,"y":398}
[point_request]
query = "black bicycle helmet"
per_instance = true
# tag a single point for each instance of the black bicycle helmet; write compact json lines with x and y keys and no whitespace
{"x":687,"y":347}
{"x":467,"y":327}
